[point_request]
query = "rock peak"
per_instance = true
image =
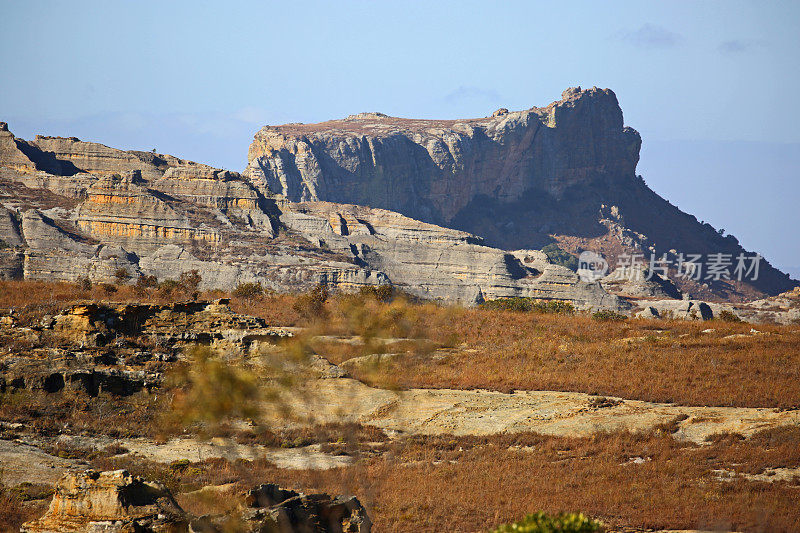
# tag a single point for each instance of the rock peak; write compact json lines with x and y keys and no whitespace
{"x":367,"y":115}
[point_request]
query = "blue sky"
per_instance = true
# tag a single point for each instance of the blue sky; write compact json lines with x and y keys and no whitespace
{"x":709,"y":85}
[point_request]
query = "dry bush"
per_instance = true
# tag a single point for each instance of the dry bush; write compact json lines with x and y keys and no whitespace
{"x":210,"y":391}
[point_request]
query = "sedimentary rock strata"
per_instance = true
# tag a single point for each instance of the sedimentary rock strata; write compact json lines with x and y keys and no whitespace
{"x":445,"y":209}
{"x":565,"y":172}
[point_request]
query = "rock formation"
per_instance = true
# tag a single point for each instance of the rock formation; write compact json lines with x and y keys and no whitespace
{"x":73,"y":209}
{"x":117,"y":502}
{"x":565,"y":172}
{"x":109,"y":502}
{"x":432,"y":169}
{"x":451,"y":210}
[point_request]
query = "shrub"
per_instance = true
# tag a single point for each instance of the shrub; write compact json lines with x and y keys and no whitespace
{"x":248,"y":290}
{"x":529,"y":304}
{"x":509,"y":304}
{"x":167,"y":287}
{"x":84,"y":283}
{"x":109,"y":288}
{"x":190,"y":281}
{"x":561,"y":523}
{"x":560,"y":257}
{"x":143,"y":283}
{"x":382,"y":293}
{"x":312,"y":304}
{"x":728,"y":316}
{"x":121,"y":275}
{"x":609,"y":316}
{"x":147,"y":281}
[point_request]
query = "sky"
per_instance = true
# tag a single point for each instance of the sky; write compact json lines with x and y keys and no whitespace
{"x":710,"y":85}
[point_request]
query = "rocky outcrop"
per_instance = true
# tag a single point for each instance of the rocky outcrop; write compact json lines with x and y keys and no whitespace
{"x":271,"y":508}
{"x":93,"y":348}
{"x":117,"y":502}
{"x":519,"y":179}
{"x":432,"y":169}
{"x":109,"y":502}
{"x":637,"y":285}
{"x":438,"y":263}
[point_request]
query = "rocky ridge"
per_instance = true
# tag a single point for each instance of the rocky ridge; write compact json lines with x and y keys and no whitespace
{"x":563,"y":173}
{"x":72,"y":209}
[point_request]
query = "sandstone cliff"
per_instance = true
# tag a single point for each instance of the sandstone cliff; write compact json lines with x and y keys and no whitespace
{"x":432,"y":169}
{"x":454,"y":210}
{"x":73,"y":209}
{"x":563,"y":173}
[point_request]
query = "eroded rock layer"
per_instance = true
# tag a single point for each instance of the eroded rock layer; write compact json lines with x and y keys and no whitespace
{"x":72,"y":209}
{"x":563,"y":173}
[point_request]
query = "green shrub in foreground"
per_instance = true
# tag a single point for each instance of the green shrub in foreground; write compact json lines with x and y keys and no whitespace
{"x":561,"y":523}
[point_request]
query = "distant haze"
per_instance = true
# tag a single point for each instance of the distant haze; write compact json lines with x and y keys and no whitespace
{"x":709,"y":85}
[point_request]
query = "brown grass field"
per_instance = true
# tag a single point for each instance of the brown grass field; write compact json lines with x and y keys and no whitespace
{"x":474,"y":484}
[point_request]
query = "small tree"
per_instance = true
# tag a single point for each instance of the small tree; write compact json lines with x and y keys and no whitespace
{"x":248,"y":290}
{"x":190,"y":281}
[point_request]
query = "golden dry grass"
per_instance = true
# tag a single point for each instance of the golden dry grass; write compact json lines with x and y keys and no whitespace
{"x":474,"y":484}
{"x":653,"y":360}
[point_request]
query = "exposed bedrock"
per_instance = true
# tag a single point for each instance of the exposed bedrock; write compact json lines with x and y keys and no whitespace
{"x":519,"y":179}
{"x":431,"y":169}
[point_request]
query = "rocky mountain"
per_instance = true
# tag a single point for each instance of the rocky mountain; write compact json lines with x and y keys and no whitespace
{"x":564,"y":173}
{"x":455,"y":210}
{"x":71,"y":209}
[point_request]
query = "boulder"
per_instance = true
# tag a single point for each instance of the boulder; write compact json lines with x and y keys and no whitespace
{"x":109,"y":502}
{"x":288,"y":511}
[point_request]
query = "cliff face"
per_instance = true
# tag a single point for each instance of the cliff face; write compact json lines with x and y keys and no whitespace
{"x":453,"y":210}
{"x":70,"y":209}
{"x":565,"y":173}
{"x":432,"y":169}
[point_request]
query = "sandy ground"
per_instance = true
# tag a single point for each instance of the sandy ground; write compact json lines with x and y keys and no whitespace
{"x":22,"y":463}
{"x":477,"y":412}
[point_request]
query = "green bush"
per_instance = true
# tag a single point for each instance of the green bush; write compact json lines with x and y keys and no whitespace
{"x":609,"y":316}
{"x":560,"y":257}
{"x":530,"y":305}
{"x":561,"y":523}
